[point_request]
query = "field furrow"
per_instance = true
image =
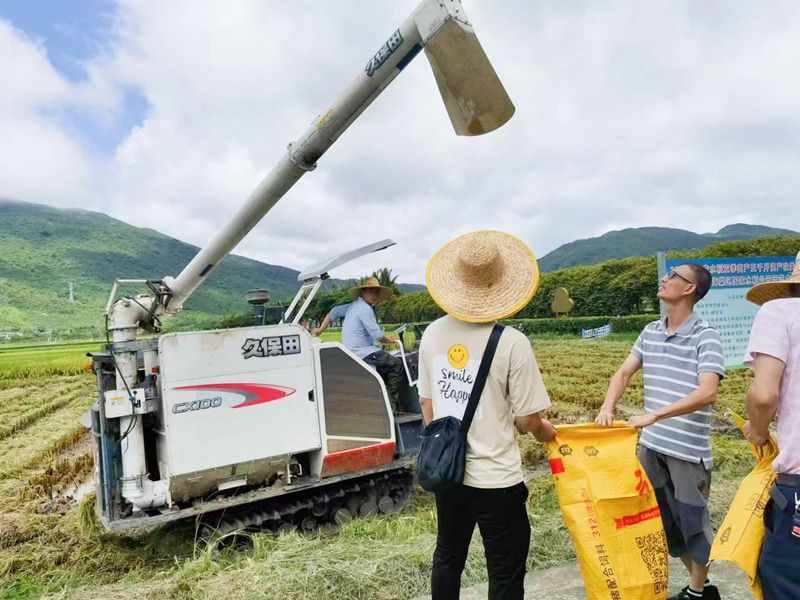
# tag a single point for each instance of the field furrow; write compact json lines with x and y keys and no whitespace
{"x":23,"y":385}
{"x":10,"y":397}
{"x":59,"y":474}
{"x":43,"y":407}
{"x":44,"y":437}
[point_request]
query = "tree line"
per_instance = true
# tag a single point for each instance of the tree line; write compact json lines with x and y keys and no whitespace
{"x":613,"y":288}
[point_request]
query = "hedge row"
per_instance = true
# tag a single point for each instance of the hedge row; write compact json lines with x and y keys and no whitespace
{"x":573,"y":325}
{"x":567,"y":325}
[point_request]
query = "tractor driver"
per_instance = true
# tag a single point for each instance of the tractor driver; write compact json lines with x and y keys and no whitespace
{"x":362,"y":335}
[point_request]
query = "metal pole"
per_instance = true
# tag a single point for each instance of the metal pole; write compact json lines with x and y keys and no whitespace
{"x":300,"y":158}
{"x":661,"y":260}
{"x":473,"y":94}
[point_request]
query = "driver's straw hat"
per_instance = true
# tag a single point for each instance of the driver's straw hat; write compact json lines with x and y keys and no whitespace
{"x":384,"y":293}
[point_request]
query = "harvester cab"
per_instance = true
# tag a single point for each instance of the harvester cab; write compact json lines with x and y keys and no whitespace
{"x":313,"y":276}
{"x":312,"y":279}
{"x":266,"y":426}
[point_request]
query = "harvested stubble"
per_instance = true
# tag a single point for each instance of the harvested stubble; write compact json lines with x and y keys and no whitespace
{"x":42,"y":406}
{"x":44,"y":437}
{"x":576,"y":374}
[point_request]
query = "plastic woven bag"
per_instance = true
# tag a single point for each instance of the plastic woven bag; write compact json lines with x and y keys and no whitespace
{"x":741,"y":534}
{"x":611,"y":512}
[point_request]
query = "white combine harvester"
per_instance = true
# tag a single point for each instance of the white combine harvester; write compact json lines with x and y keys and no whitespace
{"x":267,"y":426}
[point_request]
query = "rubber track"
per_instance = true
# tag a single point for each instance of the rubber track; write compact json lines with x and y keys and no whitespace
{"x":324,"y":509}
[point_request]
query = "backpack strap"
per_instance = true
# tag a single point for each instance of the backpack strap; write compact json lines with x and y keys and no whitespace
{"x":480,"y":379}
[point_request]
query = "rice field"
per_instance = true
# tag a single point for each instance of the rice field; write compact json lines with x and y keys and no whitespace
{"x":52,"y":546}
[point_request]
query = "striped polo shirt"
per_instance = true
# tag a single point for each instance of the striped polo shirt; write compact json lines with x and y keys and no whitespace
{"x":672,"y":364}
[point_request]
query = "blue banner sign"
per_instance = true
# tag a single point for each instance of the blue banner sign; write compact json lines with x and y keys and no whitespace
{"x":725,"y":306}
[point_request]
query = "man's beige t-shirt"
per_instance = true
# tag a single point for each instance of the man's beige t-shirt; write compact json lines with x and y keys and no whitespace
{"x":450,"y":354}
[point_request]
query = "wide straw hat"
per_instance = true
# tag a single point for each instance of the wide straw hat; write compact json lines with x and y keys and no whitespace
{"x":370,"y":282}
{"x":483,"y":276}
{"x":772,"y":290}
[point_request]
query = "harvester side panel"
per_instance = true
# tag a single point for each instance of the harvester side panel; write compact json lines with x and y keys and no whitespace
{"x":236,"y":402}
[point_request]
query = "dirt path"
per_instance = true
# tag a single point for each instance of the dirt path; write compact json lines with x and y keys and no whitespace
{"x":566,"y":583}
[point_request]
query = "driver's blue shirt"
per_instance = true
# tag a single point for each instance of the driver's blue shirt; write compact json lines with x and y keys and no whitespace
{"x":360,"y":331}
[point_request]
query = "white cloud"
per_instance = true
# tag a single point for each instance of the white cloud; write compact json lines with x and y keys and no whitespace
{"x":681,"y":114}
{"x":40,"y":161}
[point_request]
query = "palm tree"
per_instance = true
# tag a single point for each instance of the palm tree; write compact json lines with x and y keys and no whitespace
{"x":385,"y":278}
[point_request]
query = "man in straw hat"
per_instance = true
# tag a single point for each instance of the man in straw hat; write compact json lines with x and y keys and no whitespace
{"x":773,"y":353}
{"x":683,"y":365}
{"x":477,"y":279}
{"x":362,"y":334}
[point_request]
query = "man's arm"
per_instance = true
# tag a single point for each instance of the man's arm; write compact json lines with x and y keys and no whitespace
{"x":427,"y":409}
{"x":616,"y":387}
{"x":704,"y":395}
{"x":323,"y":326}
{"x":762,"y":397}
{"x":526,"y":390}
{"x":337,"y":312}
{"x":541,"y":428}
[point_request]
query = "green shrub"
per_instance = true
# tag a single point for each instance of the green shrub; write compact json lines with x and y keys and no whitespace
{"x":569,"y":325}
{"x":573,"y":325}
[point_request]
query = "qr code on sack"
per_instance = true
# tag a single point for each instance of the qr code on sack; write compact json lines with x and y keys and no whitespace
{"x":653,"y":548}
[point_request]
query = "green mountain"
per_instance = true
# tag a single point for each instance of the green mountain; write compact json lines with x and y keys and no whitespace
{"x":646,"y":241}
{"x":44,"y":249}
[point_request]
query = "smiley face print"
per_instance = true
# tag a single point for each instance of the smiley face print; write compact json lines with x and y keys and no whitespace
{"x":458,"y":356}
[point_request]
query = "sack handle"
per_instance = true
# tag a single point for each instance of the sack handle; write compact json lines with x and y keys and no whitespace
{"x":480,"y":379}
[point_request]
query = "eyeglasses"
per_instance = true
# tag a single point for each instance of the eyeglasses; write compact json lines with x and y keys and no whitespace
{"x":673,"y":274}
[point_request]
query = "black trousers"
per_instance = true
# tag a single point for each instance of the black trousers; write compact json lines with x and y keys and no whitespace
{"x":390,"y":368}
{"x":503,"y":522}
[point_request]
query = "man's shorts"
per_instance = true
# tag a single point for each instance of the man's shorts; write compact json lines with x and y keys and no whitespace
{"x":681,"y":489}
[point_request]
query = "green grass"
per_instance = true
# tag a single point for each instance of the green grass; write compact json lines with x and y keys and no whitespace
{"x":625,"y":336}
{"x":409,"y":339}
{"x":44,"y":390}
{"x":387,"y":557}
{"x":43,"y":360}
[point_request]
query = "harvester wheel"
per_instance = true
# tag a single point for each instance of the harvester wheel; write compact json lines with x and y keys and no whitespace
{"x":284,"y":528}
{"x":367,"y":509}
{"x":386,"y":505}
{"x":342,"y":516}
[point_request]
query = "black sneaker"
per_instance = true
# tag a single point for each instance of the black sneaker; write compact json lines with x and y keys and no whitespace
{"x":710,"y":592}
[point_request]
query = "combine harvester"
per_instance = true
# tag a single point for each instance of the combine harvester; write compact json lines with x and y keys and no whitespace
{"x":266,"y":426}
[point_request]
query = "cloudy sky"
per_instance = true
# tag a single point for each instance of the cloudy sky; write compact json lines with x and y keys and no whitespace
{"x":168,"y":114}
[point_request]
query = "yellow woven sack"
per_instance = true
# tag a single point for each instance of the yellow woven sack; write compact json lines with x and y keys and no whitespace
{"x":741,"y":534}
{"x":611,"y":512}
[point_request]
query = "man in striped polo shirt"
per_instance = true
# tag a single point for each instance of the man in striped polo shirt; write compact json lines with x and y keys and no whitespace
{"x":683,"y":365}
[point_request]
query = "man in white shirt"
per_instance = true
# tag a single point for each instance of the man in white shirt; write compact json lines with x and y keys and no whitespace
{"x":478,"y":279}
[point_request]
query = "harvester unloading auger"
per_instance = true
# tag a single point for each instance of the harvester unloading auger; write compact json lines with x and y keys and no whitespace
{"x":267,"y":426}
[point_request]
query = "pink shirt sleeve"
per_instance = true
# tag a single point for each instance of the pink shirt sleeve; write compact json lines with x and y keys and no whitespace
{"x":770,"y":335}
